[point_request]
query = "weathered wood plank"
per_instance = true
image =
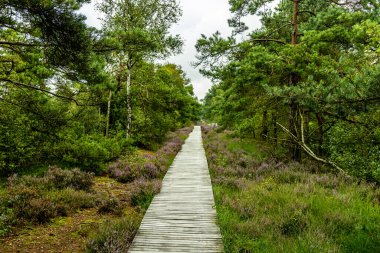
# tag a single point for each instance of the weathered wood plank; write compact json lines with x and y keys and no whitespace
{"x":182,"y":217}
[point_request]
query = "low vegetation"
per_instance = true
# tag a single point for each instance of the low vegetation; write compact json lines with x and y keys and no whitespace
{"x":266,"y":204}
{"x":145,"y":172}
{"x":117,"y":204}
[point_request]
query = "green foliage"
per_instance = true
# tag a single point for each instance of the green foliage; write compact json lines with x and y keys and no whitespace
{"x":320,"y":87}
{"x":90,"y":152}
{"x":65,"y":104}
{"x":164,"y":102}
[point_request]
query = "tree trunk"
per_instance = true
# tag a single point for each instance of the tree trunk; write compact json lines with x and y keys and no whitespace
{"x":294,"y":121}
{"x":108,"y":113}
{"x":264,"y":131}
{"x":306,"y":127}
{"x":294,"y":127}
{"x":129,"y":104}
{"x":275,"y":130}
{"x":295,"y":33}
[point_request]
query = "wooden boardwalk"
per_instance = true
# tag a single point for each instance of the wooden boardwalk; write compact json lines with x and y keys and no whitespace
{"x":181,"y":218}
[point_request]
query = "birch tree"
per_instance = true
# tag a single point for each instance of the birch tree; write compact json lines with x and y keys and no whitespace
{"x":136,"y":30}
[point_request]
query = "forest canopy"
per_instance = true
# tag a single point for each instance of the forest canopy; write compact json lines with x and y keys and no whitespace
{"x":78,"y":96}
{"x":308,"y":80}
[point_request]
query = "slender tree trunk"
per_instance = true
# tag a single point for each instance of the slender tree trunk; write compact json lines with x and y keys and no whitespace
{"x":294,"y":121}
{"x":100,"y":117}
{"x":296,"y":9}
{"x":108,"y":113}
{"x":275,"y":129}
{"x":294,"y":127}
{"x":306,"y":127}
{"x":264,"y":130}
{"x":129,"y":103}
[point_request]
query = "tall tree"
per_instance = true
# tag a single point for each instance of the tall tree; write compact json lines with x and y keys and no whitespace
{"x":308,"y":56}
{"x":137,"y":30}
{"x":44,"y":40}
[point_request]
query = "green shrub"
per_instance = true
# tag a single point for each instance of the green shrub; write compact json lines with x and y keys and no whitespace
{"x":356,"y":150}
{"x":90,"y":152}
{"x":6,"y":219}
{"x":113,"y":236}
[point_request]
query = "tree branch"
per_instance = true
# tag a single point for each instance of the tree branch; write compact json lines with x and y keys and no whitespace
{"x":346,"y":119}
{"x":278,"y":29}
{"x":45,"y":91}
{"x":306,"y":11}
{"x":268,"y":40}
{"x":15,"y":43}
{"x":303,"y":145}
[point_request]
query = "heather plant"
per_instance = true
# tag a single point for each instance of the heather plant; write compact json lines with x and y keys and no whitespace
{"x":136,"y":165}
{"x":142,"y":192}
{"x":30,"y":204}
{"x":56,"y":178}
{"x":114,"y":236}
{"x":150,"y":170}
{"x":265,"y":204}
{"x":73,"y":178}
{"x":70,"y":200}
{"x":125,"y":174}
{"x":30,"y":199}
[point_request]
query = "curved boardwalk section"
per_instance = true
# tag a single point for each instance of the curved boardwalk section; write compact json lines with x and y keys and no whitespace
{"x":181,"y":218}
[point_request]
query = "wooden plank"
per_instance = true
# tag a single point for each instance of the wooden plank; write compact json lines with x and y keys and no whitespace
{"x":182,"y":218}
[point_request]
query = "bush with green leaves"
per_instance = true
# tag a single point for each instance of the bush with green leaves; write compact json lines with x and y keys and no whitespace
{"x":357,"y":149}
{"x":90,"y":152}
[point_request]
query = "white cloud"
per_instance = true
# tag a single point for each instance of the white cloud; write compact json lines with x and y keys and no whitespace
{"x":92,"y":14}
{"x":199,"y":17}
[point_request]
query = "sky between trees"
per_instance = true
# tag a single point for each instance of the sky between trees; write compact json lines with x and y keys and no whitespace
{"x":199,"y":17}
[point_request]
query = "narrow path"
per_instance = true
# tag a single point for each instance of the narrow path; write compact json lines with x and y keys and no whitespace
{"x":181,"y":218}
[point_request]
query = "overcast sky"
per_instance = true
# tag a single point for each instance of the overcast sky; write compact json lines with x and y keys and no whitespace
{"x":199,"y":17}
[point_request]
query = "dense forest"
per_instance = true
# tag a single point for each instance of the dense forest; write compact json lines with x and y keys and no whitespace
{"x":308,"y":79}
{"x":76,"y":96}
